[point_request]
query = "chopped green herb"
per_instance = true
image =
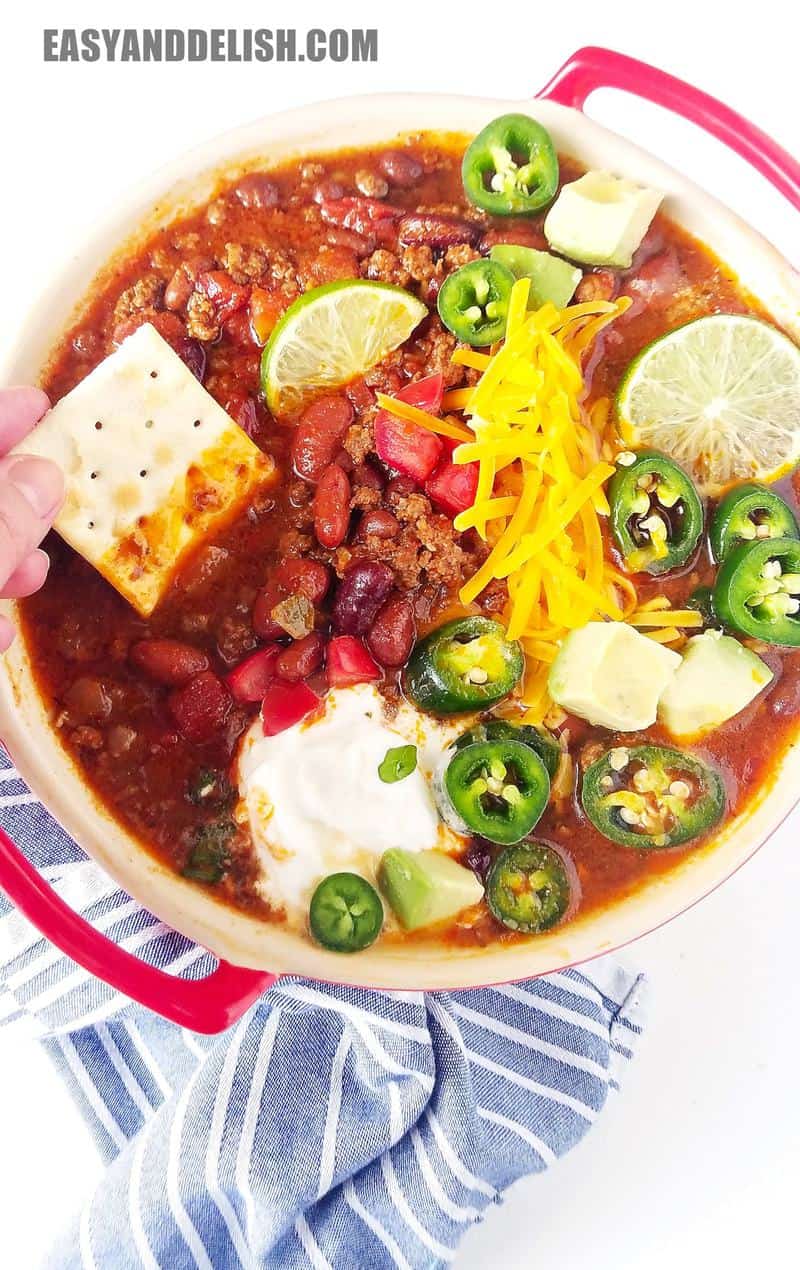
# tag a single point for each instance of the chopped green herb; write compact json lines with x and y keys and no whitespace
{"x":398,"y":763}
{"x":208,"y":786}
{"x":209,"y":858}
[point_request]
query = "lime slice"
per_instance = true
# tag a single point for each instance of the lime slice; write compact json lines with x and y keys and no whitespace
{"x":721,"y":395}
{"x":333,"y":334}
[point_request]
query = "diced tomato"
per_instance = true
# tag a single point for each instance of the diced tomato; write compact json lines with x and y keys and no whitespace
{"x":226,"y":296}
{"x":349,"y":663}
{"x":200,"y":707}
{"x":238,"y":328}
{"x":405,"y":446}
{"x":286,"y":704}
{"x":250,"y":679}
{"x":265,"y":309}
{"x":452,"y":487}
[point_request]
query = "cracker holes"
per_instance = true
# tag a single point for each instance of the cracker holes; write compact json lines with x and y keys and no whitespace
{"x":148,"y":423}
{"x":196,"y":423}
{"x":143,"y":473}
{"x":98,"y":426}
{"x":154,"y":374}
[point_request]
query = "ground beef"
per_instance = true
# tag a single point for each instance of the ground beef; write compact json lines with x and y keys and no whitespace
{"x":365,"y":498}
{"x":433,"y":352}
{"x":424,"y":268}
{"x":145,"y":293}
{"x":202,"y":322}
{"x":459,"y":255}
{"x":385,"y":266}
{"x":425,"y":552}
{"x":359,"y":440}
{"x":245,"y":264}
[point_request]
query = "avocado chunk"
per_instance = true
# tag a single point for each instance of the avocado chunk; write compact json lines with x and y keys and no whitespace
{"x":717,"y":678}
{"x":552,"y":279}
{"x":601,"y":219}
{"x":609,"y":674}
{"x":424,"y":887}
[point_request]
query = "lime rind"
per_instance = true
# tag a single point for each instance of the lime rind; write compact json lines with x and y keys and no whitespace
{"x":720,"y":395}
{"x":331,"y":335}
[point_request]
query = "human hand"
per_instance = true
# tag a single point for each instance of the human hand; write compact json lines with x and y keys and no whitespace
{"x":31,"y":492}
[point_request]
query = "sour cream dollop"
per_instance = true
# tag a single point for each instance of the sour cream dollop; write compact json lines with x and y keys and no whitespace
{"x":316,"y":803}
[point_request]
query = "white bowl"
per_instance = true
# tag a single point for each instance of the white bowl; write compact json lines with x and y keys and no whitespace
{"x":24,"y":725}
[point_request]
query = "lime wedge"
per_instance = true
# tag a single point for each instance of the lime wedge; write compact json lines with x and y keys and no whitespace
{"x":333,"y":334}
{"x":721,"y":395}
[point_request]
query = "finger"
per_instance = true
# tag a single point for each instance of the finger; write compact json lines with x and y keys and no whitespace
{"x":31,"y":491}
{"x":28,"y":577}
{"x":7,"y":633}
{"x":20,"y":410}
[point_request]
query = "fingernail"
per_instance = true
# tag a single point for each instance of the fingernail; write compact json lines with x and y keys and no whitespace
{"x":40,"y":483}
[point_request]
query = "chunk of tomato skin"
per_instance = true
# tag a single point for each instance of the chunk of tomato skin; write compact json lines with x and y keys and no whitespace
{"x":425,"y":394}
{"x":249,"y":681}
{"x":349,"y":663}
{"x":453,"y":486}
{"x":201,"y":707}
{"x":286,"y":704}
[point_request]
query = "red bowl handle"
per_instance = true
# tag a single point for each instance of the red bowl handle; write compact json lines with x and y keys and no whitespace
{"x":593,"y":68}
{"x":204,"y":1005}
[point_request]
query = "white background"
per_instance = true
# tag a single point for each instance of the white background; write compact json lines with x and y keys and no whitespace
{"x":696,"y":1163}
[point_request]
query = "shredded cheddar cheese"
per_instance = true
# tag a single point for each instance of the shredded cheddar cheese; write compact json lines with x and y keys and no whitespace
{"x":541,"y":473}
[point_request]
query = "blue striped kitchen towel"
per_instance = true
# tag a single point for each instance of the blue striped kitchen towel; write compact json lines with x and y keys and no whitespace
{"x":331,"y":1127}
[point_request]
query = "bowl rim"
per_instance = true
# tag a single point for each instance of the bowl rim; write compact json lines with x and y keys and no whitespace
{"x":30,"y":736}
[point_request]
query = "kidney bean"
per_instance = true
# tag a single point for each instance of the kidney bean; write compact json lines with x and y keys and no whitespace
{"x":599,"y":285}
{"x":225,"y":294}
{"x":427,"y":229}
{"x":371,"y":184}
{"x":360,"y":594}
{"x":332,"y":507}
{"x":264,"y":624}
{"x":402,"y":169}
{"x":391,"y":636}
{"x":200,"y":707}
{"x":359,"y":244}
{"x":301,"y":658}
{"x":368,"y":477}
{"x":327,"y":190}
{"x":256,"y":191}
{"x":194,"y":355}
{"x":296,"y":576}
{"x":87,"y":700}
{"x":399,"y":487}
{"x":168,"y":661}
{"x":379,"y":523}
{"x":319,"y":435}
{"x":178,"y":289}
{"x":520,"y":233}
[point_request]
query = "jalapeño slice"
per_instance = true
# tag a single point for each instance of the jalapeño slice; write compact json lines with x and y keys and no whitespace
{"x":538,"y":738}
{"x":757,"y":591}
{"x":750,"y":513}
{"x":473,"y":302}
{"x":498,"y":789}
{"x":511,"y":168}
{"x":656,"y":513}
{"x":651,"y":796}
{"x":467,"y":664}
{"x":527,"y":888}
{"x":346,"y":913}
